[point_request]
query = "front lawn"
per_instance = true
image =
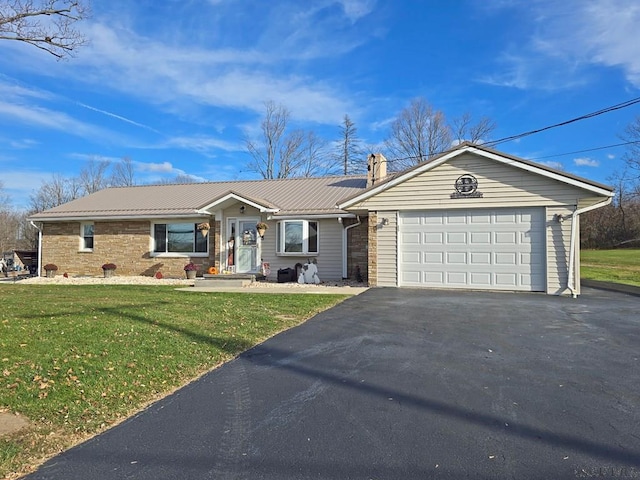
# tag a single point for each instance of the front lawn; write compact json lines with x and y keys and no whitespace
{"x":618,"y":266}
{"x":77,"y":359}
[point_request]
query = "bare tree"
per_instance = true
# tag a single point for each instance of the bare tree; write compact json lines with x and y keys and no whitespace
{"x":7,"y":221}
{"x":418,"y":133}
{"x":93,"y":176}
{"x":276,"y":151}
{"x":464,"y":130}
{"x":5,"y":199}
{"x":46,"y":24}
{"x":617,"y":224}
{"x":54,"y":192}
{"x":349,"y":150}
{"x":180,"y":178}
{"x":631,"y":134}
{"x":12,"y":225}
{"x":123,"y":174}
{"x":280,"y":153}
{"x":314,"y":157}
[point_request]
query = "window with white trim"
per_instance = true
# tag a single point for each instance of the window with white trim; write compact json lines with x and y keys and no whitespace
{"x":86,"y":237}
{"x":297,"y":237}
{"x":179,"y":238}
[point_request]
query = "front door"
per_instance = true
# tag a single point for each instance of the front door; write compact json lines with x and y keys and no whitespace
{"x":244,"y":251}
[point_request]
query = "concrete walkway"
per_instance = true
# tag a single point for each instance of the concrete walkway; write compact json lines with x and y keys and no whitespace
{"x":319,"y":289}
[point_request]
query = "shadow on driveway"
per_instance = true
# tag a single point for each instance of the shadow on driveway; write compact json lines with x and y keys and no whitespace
{"x":400,"y":383}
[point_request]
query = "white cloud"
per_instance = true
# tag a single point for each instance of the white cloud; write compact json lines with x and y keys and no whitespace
{"x":274,"y":63}
{"x":586,"y":162}
{"x":356,"y":9}
{"x":10,"y":89}
{"x":607,"y":33}
{"x":569,"y":37}
{"x":529,"y":70}
{"x":94,"y":156}
{"x":553,"y":164}
{"x":49,"y":119}
{"x":202,"y":144}
{"x":164,"y":167}
{"x":21,"y":143}
{"x":157,"y":172}
{"x":611,"y":156}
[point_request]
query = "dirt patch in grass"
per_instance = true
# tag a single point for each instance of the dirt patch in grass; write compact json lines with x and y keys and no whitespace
{"x":11,"y":423}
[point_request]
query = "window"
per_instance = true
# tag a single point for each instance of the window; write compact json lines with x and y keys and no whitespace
{"x":297,"y":237}
{"x":86,"y":237}
{"x":179,"y":238}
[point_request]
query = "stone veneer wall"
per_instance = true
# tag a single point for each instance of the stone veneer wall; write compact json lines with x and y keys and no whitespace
{"x":357,"y":248}
{"x":372,"y":230}
{"x":125,"y":243}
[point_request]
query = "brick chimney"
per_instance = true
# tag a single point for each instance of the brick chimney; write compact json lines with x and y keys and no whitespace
{"x":376,"y":168}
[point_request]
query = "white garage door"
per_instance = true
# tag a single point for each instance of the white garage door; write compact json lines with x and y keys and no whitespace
{"x":498,"y":249}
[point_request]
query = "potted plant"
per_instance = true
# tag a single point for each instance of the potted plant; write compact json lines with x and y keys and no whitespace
{"x":50,"y":269}
{"x":261,"y":227}
{"x":109,"y":269}
{"x":191,"y":269}
{"x":204,"y":227}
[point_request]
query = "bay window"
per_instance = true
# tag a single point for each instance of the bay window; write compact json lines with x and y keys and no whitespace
{"x":179,"y":238}
{"x":297,"y":237}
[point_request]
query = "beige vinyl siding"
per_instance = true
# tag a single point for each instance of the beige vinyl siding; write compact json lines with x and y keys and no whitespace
{"x":558,"y":245}
{"x":588,"y":201}
{"x":329,"y":258}
{"x":500,"y":185}
{"x":387,"y":250}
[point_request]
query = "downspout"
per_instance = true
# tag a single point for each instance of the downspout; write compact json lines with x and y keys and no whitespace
{"x":39,"y":244}
{"x":344,"y":245}
{"x":572,"y":244}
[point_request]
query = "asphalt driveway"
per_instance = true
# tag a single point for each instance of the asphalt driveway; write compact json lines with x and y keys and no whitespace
{"x":403,"y":384}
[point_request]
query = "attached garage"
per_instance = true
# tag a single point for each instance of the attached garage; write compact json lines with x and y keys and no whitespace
{"x":497,"y":249}
{"x":475,"y":218}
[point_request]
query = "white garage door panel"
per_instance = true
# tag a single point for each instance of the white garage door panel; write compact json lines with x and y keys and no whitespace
{"x":485,"y":248}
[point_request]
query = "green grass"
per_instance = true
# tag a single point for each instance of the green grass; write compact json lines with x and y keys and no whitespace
{"x":618,"y":266}
{"x":76,"y":359}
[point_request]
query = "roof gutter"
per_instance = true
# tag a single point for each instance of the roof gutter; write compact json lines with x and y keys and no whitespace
{"x":88,"y":218}
{"x":310,"y":216}
{"x":572,"y":245}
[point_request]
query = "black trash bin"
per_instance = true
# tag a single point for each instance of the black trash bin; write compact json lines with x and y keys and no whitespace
{"x":286,"y":275}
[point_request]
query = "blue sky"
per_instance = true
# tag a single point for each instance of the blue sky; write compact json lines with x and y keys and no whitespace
{"x":176,"y":85}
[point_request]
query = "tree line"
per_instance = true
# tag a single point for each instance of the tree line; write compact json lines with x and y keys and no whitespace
{"x":418,"y":132}
{"x":618,"y":224}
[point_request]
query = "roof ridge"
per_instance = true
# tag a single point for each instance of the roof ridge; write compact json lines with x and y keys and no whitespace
{"x":255,"y":180}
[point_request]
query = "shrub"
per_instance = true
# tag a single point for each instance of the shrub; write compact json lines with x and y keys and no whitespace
{"x":51,"y":266}
{"x":109,"y":266}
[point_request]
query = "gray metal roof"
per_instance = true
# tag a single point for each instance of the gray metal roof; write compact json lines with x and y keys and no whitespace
{"x":308,"y":196}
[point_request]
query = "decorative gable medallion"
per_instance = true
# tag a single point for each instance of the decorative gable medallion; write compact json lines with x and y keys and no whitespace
{"x":466,"y":187}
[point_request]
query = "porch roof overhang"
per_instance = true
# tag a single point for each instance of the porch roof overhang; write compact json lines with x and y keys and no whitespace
{"x":230,"y":198}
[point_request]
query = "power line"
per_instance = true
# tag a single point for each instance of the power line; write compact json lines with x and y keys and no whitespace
{"x":587,"y":150}
{"x":493,"y":143}
{"x":612,"y":108}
